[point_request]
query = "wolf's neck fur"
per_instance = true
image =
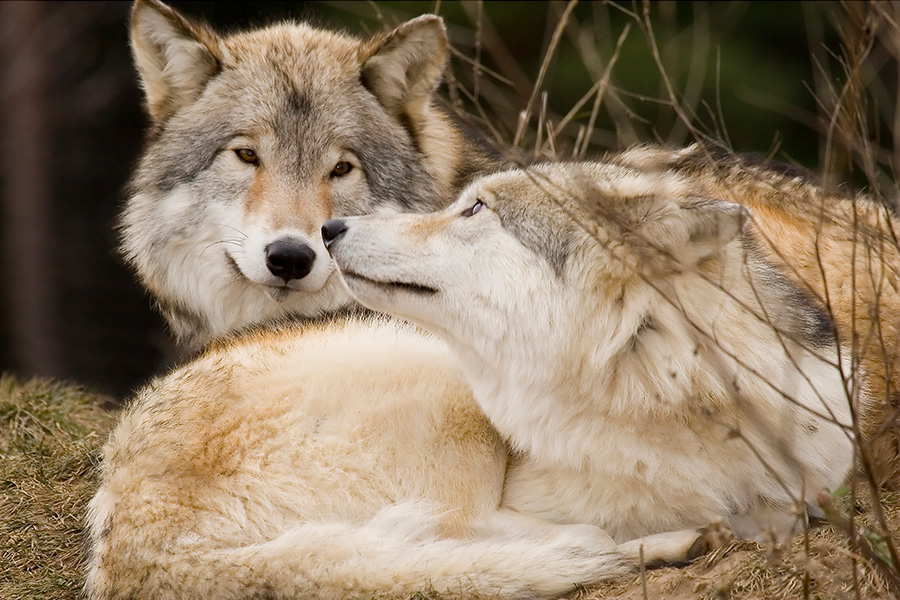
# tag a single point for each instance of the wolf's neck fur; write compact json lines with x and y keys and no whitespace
{"x":454,"y":153}
{"x":621,"y":408}
{"x":640,"y":355}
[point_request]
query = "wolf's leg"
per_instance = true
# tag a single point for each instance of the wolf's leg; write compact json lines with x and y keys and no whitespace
{"x":670,"y":548}
{"x":676,"y":547}
{"x":398,"y":553}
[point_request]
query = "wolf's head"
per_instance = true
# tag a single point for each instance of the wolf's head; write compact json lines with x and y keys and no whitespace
{"x":588,"y":262}
{"x":256,"y":139}
{"x":522,"y":250}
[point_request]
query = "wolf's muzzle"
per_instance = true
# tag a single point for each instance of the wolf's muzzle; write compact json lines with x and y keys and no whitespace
{"x":333,"y":229}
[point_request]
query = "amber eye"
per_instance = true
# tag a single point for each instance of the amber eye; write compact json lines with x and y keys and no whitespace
{"x":341,"y":169}
{"x":248,"y":156}
{"x":472,"y":209}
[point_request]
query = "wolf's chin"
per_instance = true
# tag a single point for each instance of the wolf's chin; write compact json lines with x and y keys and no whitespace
{"x":354,"y":279}
{"x":279,"y":294}
{"x":276,"y":293}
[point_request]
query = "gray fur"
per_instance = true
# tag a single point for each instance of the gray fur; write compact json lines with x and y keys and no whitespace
{"x":198,"y":220}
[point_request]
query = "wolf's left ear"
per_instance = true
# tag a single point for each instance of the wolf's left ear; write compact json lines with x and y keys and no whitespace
{"x":403,"y":67}
{"x":175,"y":58}
{"x":703,"y":228}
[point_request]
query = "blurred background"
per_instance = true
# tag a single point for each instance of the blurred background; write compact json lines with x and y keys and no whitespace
{"x":813,"y":84}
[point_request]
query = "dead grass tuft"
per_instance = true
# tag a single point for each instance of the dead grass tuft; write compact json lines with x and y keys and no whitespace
{"x":818,"y":566}
{"x":50,"y":435}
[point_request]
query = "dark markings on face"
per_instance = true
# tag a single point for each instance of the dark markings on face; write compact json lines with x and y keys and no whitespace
{"x":295,"y":100}
{"x":298,"y":104}
{"x":395,"y":171}
{"x":178,"y":156}
{"x":544,"y":232}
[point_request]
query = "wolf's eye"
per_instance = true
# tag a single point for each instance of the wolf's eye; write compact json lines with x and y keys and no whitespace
{"x":341,"y":169}
{"x":248,"y":156}
{"x":472,"y":209}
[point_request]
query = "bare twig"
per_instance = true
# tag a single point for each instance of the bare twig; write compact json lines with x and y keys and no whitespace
{"x":548,"y":56}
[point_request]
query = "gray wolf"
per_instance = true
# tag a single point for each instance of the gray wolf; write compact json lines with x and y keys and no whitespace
{"x":259,"y":137}
{"x":341,"y":459}
{"x":652,"y":367}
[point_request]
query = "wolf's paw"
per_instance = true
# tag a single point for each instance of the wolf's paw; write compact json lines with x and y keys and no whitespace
{"x":715,"y":535}
{"x":673,"y":548}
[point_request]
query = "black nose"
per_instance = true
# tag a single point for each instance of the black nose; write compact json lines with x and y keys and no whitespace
{"x":289,"y":259}
{"x":332,"y":229}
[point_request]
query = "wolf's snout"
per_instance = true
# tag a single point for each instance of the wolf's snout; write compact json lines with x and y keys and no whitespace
{"x":332,"y":229}
{"x":289,"y":259}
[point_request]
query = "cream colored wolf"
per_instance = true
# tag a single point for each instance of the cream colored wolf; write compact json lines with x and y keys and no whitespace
{"x":339,"y":460}
{"x":648,"y":374}
{"x":259,"y":137}
{"x":651,"y":366}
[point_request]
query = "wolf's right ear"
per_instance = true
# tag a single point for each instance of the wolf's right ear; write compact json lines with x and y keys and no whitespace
{"x":403,"y":67}
{"x":174,"y":57}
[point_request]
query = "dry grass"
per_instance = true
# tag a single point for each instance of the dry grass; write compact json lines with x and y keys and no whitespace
{"x":50,"y":436}
{"x":821,"y":564}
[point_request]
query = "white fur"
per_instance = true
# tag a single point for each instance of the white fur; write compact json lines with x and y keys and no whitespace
{"x":198,"y":266}
{"x":710,"y":413}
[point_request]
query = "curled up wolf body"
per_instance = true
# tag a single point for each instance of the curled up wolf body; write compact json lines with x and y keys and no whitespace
{"x":348,"y":457}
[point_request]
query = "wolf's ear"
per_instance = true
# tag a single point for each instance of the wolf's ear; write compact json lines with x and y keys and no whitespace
{"x":403,"y":67}
{"x":693,"y":229}
{"x":710,"y":225}
{"x":174,"y":57}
